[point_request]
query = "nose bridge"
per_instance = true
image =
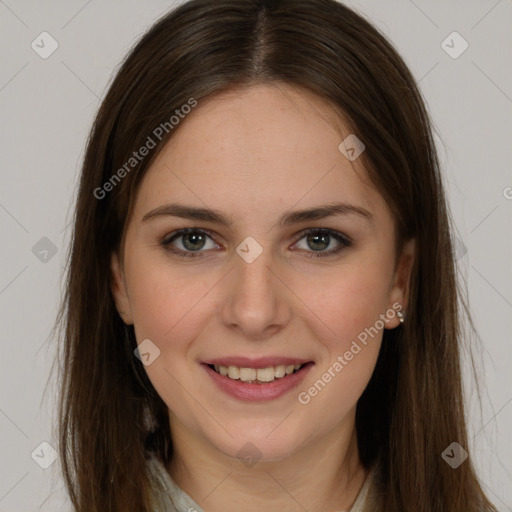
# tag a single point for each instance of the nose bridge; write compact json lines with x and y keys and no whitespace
{"x":256,"y":302}
{"x":253,"y":263}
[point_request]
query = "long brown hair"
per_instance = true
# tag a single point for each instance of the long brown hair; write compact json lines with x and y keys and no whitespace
{"x":413,"y":406}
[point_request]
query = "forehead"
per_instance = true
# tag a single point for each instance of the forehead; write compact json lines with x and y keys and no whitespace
{"x":259,"y":151}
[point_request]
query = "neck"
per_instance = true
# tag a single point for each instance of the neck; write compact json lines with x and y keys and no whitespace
{"x":326,"y":474}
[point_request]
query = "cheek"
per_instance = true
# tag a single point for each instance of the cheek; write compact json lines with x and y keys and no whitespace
{"x":347,"y":301}
{"x":348,"y":307}
{"x":351,"y":309}
{"x":165,"y":298}
{"x":167,"y":303}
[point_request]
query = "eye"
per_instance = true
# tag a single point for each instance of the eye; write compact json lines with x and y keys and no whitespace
{"x":192,"y":241}
{"x":320,"y":239}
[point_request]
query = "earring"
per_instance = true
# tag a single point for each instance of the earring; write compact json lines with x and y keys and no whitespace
{"x":400,"y":316}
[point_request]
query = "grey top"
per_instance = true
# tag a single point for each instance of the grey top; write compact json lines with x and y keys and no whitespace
{"x":169,"y":497}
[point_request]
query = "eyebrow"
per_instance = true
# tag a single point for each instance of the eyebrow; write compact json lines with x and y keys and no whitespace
{"x":287,"y":219}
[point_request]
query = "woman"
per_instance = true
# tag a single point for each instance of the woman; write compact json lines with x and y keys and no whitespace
{"x":261,"y":310}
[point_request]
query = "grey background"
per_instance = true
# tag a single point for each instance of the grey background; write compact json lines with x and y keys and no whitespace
{"x":47,"y":107}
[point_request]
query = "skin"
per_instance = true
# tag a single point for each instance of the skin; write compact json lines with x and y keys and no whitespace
{"x":254,"y":154}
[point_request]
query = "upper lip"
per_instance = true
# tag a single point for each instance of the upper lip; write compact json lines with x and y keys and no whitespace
{"x":259,"y":362}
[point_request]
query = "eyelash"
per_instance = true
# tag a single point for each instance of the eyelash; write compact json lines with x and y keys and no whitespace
{"x":345,"y":242}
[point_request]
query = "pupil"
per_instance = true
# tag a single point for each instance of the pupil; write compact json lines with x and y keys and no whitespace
{"x":315,"y":238}
{"x":195,"y":237}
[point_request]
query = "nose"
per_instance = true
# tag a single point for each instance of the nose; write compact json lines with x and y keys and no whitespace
{"x":257,"y":299}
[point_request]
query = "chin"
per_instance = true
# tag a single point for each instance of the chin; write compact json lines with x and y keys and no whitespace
{"x":256,"y":445}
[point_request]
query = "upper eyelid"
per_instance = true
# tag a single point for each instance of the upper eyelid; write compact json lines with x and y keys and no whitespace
{"x":182,"y":232}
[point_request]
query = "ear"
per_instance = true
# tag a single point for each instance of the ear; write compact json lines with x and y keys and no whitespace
{"x":399,"y":293}
{"x":118,"y":289}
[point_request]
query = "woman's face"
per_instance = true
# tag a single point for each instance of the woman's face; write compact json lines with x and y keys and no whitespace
{"x":257,"y":291}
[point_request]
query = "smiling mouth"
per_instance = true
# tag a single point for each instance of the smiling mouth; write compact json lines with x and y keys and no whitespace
{"x":257,"y":375}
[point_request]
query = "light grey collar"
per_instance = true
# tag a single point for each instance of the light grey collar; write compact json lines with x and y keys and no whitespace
{"x":169,"y":497}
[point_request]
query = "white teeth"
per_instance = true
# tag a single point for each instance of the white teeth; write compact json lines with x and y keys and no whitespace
{"x":266,"y":374}
{"x":279,"y":371}
{"x":233,"y":372}
{"x":247,"y":374}
{"x":254,"y":375}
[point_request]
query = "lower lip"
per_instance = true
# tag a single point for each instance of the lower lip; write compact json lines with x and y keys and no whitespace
{"x":248,"y":392}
